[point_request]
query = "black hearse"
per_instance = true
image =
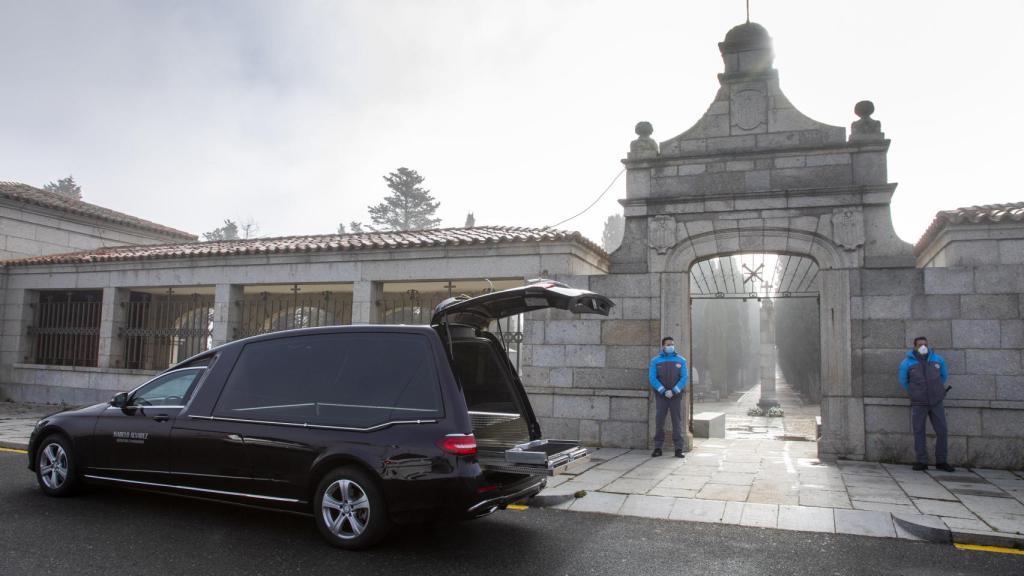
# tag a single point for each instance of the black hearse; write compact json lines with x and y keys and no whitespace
{"x":361,"y":425}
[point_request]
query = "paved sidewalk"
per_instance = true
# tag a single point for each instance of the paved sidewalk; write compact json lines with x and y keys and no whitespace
{"x":17,"y":421}
{"x":782,"y":484}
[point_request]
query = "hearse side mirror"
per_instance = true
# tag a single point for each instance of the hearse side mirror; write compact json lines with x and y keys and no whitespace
{"x":120,"y":400}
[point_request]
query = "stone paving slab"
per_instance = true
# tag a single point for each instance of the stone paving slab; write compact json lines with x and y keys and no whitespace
{"x":943,"y":508}
{"x":824,"y":498}
{"x":647,"y":506}
{"x":926,"y":490}
{"x":807,"y":519}
{"x":599,"y":502}
{"x":695,"y":510}
{"x":884,"y":507}
{"x":733,"y":513}
{"x":865,"y":523}
{"x":760,"y":515}
{"x":727,"y":492}
{"x":673,"y":492}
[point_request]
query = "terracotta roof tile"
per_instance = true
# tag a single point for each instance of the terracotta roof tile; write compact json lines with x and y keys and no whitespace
{"x":989,"y":213}
{"x":26,"y":194}
{"x":320,"y":243}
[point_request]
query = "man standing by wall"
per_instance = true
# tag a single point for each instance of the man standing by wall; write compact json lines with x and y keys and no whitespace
{"x":923,"y":375}
{"x":667,"y":376}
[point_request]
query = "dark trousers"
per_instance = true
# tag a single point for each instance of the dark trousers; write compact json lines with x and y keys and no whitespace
{"x":675,"y":406}
{"x":937,"y":414}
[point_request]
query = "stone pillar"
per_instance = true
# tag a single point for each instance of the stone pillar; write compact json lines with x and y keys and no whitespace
{"x":365,"y":296}
{"x":112,"y":320}
{"x":675,"y":322}
{"x":768,"y":399}
{"x":226,"y":312}
{"x":18,"y":315}
{"x":842,"y":411}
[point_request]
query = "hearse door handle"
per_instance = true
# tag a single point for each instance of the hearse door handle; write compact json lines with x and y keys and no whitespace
{"x":161,"y":417}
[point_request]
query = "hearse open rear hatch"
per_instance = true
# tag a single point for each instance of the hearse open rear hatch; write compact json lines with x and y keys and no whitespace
{"x":507,"y":434}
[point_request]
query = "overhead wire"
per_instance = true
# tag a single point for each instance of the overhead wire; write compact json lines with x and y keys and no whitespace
{"x":592,"y":204}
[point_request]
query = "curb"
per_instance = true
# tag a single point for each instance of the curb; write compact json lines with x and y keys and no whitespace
{"x":946,"y":536}
{"x":13,"y":445}
{"x":996,"y":539}
{"x":542,"y":501}
{"x":924,"y":532}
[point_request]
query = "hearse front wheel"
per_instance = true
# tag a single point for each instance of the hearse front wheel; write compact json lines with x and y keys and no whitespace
{"x":349,"y":509}
{"x":56,"y":469}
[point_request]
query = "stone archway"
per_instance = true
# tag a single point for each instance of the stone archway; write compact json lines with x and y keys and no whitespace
{"x":754,"y":174}
{"x":842,"y":411}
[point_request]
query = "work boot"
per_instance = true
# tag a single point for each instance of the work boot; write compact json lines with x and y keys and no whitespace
{"x":919,"y":467}
{"x":656,"y":453}
{"x":679,"y":453}
{"x":944,"y":467}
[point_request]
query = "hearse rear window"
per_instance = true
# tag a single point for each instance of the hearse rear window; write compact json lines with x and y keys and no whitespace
{"x":350,"y":380}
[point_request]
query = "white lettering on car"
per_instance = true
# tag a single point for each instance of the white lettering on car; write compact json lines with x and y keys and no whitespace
{"x":130,"y":437}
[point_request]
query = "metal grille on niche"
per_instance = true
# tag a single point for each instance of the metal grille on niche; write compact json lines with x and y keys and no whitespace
{"x":162,"y":329}
{"x":417,"y":307}
{"x":266,"y":312}
{"x":65,"y":329}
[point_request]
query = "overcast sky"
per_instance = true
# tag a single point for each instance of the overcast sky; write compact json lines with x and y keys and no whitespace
{"x":290,"y":112}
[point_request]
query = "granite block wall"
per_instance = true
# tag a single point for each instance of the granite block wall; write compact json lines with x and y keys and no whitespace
{"x":972,"y":316}
{"x":587,"y":375}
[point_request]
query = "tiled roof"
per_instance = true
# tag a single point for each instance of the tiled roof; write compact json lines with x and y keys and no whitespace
{"x":322,"y":243}
{"x":989,"y":213}
{"x":26,"y":194}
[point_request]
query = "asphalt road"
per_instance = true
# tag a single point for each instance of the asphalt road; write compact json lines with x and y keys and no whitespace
{"x":110,"y":532}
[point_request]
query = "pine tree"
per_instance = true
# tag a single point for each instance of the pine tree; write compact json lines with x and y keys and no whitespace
{"x":408,"y":207}
{"x":65,"y":187}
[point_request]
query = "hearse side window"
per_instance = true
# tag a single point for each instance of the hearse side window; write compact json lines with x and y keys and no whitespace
{"x":348,"y":380}
{"x":171,"y":389}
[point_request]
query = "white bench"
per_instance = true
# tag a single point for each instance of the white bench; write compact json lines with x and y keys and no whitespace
{"x":709,"y":425}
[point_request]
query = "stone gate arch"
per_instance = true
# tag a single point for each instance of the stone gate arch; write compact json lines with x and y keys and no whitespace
{"x":754,"y":174}
{"x":841,"y":412}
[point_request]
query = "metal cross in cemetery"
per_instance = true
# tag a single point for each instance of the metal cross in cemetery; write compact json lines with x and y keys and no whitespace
{"x":751,"y":275}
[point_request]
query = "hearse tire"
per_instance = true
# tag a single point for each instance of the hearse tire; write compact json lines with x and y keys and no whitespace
{"x":56,"y":468}
{"x":349,"y":509}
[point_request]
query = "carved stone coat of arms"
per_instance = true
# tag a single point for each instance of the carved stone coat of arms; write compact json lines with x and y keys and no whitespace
{"x":662,"y":233}
{"x":848,"y":227}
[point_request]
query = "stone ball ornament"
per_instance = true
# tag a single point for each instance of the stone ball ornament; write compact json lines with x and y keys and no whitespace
{"x":644,"y":129}
{"x":864,"y":108}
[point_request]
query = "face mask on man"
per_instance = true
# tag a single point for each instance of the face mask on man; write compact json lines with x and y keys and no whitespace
{"x":670,"y":349}
{"x":922,"y":350}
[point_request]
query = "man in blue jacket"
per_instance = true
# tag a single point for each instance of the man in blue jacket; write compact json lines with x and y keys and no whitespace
{"x":923,"y":376}
{"x":667,"y":376}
